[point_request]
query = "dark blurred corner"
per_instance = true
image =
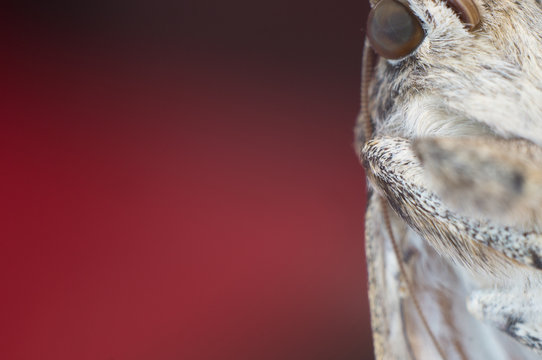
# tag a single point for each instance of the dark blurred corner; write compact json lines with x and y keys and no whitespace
{"x":179,"y":182}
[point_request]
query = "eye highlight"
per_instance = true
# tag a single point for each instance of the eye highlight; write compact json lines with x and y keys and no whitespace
{"x":393,"y":30}
{"x":467,"y":12}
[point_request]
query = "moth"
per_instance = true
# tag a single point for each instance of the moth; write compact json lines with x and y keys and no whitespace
{"x":450,"y":135}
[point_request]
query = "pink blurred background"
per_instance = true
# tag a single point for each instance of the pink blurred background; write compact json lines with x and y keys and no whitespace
{"x":179,"y":182}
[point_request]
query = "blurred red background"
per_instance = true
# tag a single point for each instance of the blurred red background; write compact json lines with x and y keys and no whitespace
{"x":179,"y":181}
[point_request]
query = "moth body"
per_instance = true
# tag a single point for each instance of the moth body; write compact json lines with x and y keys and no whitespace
{"x":456,"y":152}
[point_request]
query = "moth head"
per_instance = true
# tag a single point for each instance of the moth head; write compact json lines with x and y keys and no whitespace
{"x":456,"y":67}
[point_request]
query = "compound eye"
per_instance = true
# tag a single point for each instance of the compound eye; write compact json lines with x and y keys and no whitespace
{"x":393,"y":30}
{"x":467,"y":12}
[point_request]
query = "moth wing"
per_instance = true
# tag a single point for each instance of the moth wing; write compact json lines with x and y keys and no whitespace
{"x":398,"y":331}
{"x":483,"y":178}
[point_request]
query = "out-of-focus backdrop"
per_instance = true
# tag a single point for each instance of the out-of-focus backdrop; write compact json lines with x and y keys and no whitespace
{"x":179,"y":181}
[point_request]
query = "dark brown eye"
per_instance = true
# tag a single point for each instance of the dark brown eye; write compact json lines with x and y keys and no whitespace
{"x":467,"y":12}
{"x":393,"y":31}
